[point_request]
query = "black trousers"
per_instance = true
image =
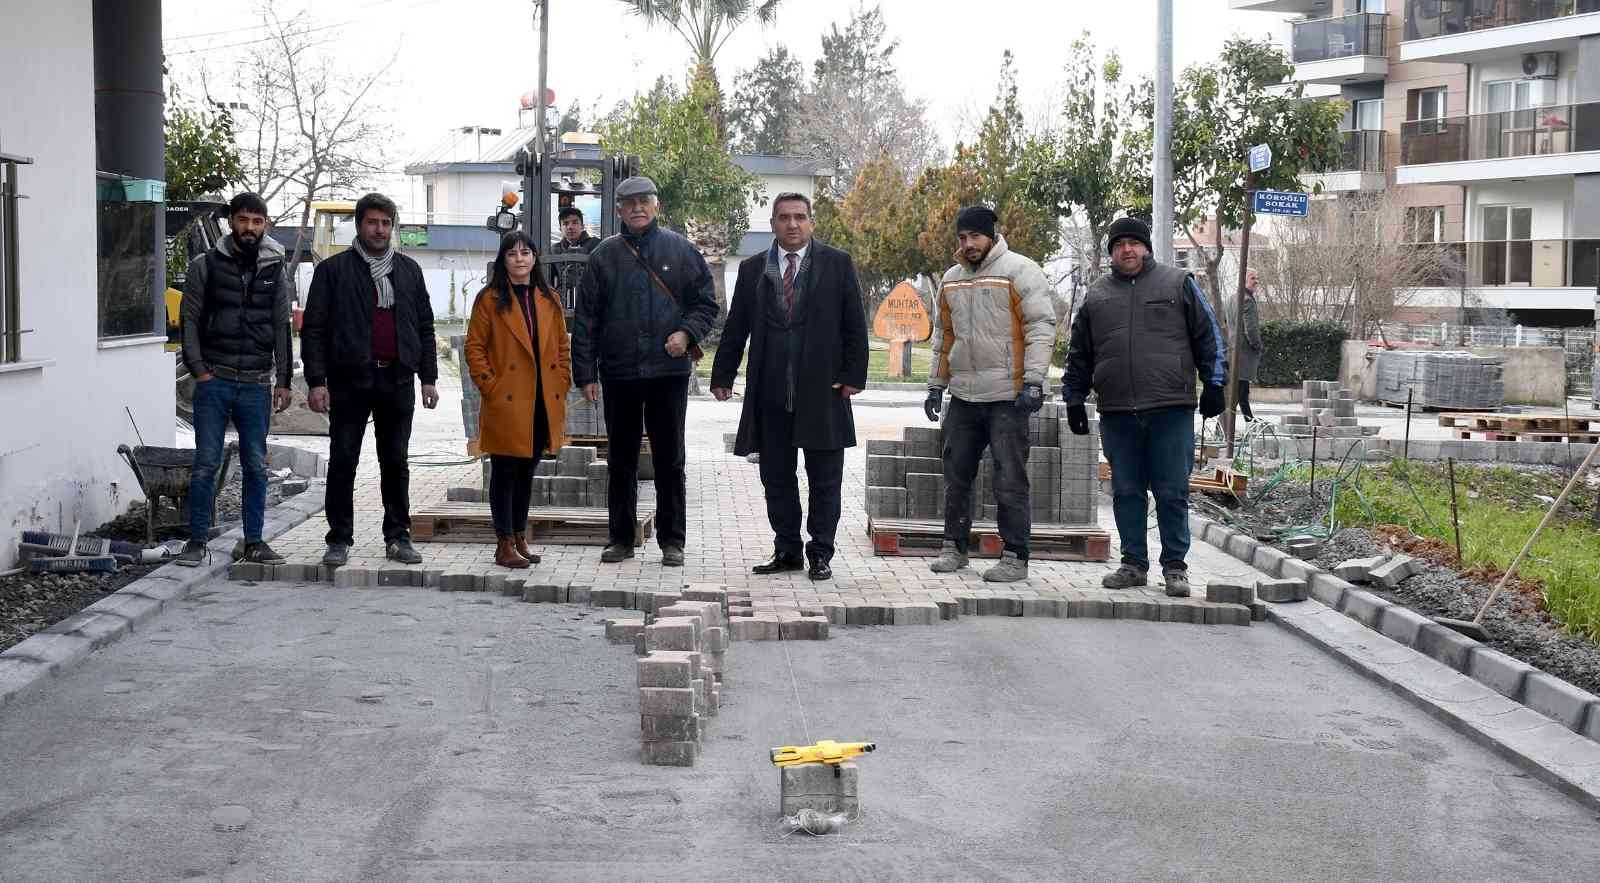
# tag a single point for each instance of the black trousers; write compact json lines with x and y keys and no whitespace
{"x":389,"y":402}
{"x":510,"y":490}
{"x":1242,"y":395}
{"x":969,"y":427}
{"x":634,"y":407}
{"x":824,"y":476}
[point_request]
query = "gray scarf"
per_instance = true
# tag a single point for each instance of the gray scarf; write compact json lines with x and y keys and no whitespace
{"x":380,"y":267}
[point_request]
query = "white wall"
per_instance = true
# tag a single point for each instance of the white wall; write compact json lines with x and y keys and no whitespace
{"x":1550,"y":198}
{"x":761,"y":214}
{"x":64,"y":418}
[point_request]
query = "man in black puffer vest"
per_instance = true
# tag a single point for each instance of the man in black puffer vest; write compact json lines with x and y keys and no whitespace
{"x":1143,"y":335}
{"x":236,"y":342}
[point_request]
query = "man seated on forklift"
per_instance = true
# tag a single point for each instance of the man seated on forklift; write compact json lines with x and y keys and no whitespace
{"x":575,"y":239}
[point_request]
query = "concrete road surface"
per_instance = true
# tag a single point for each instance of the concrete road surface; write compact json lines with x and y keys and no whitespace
{"x":407,"y":734}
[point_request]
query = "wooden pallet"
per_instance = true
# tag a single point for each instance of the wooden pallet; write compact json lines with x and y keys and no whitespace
{"x":602,"y":445}
{"x":1048,"y":542}
{"x":1586,"y":438}
{"x":1221,"y":481}
{"x":472,"y":523}
{"x":1537,"y":424}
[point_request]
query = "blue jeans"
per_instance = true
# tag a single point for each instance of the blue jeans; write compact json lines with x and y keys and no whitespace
{"x":249,"y":406}
{"x":1153,"y":452}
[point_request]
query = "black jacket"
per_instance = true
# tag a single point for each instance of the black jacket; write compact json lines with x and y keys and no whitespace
{"x":336,"y":331}
{"x":234,"y":330}
{"x":567,"y":276}
{"x":1139,"y":342}
{"x":832,"y":346}
{"x":624,"y":318}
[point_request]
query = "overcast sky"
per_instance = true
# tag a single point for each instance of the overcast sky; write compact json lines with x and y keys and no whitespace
{"x":465,"y":62}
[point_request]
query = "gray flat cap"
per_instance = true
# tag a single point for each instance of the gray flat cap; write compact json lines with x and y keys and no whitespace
{"x":638,"y":185}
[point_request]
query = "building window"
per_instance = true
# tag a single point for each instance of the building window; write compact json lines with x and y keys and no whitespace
{"x":1427,"y":105}
{"x":130,"y":232}
{"x":10,"y":291}
{"x":1425,"y":223}
{"x":427,"y":196}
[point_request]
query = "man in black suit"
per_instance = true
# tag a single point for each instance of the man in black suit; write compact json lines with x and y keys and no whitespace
{"x":799,"y":306}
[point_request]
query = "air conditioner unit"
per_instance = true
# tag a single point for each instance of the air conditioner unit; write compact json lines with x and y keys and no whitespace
{"x":1541,"y":65}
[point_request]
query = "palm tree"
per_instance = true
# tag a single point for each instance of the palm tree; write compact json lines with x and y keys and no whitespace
{"x":706,"y":26}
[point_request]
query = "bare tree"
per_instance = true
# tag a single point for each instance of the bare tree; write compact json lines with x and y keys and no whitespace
{"x":310,"y":128}
{"x":1352,"y":260}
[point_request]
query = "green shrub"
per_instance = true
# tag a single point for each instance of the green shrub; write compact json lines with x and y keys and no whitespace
{"x":1297,"y":351}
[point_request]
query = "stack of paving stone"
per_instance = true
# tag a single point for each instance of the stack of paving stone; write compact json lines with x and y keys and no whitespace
{"x":680,"y":675}
{"x":574,"y":479}
{"x":820,"y":787}
{"x":1329,"y":408}
{"x":1442,"y":380}
{"x":585,"y":419}
{"x":905,"y":479}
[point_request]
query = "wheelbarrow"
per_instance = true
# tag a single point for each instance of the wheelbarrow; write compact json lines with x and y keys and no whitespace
{"x":166,"y":472}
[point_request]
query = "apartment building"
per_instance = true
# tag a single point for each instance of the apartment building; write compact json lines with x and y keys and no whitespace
{"x":1483,"y":118}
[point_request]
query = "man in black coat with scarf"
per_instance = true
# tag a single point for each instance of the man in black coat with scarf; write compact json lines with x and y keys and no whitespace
{"x":799,"y":306}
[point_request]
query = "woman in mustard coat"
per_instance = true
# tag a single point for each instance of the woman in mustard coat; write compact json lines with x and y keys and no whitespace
{"x":521,"y":362}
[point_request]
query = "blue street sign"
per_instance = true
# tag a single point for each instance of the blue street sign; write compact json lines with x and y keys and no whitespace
{"x":1277,"y":202}
{"x":1260,"y":157}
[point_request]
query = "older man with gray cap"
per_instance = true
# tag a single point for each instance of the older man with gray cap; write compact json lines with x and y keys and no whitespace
{"x":643,"y":306}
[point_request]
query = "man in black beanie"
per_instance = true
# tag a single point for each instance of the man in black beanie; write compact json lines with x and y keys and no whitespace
{"x":991,"y":346}
{"x":1142,"y":335}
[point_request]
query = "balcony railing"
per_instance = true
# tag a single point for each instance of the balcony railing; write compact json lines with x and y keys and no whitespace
{"x":1438,"y":18}
{"x":1529,"y":263}
{"x":1361,"y":151}
{"x":1344,"y":37}
{"x":1536,"y":131}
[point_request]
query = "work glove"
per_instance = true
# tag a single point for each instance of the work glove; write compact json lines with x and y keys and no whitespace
{"x":1078,"y":419}
{"x":934,"y":403}
{"x":1031,"y":398}
{"x":1212,"y":401}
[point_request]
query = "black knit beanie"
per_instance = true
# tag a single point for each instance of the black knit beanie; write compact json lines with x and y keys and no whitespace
{"x":1123,"y":228}
{"x":977,"y":219}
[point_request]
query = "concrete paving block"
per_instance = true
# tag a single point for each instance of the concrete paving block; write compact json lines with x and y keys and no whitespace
{"x":1267,"y":559}
{"x":1358,"y":570}
{"x":714,"y":639}
{"x":544,"y":593}
{"x":754,"y":629}
{"x":240,"y":571}
{"x":666,"y":670}
{"x":1223,"y":592}
{"x":1294,"y":568}
{"x":1130,"y":606}
{"x":1446,"y":645}
{"x":398,"y":578}
{"x":649,"y":601}
{"x":1305,"y":548}
{"x":1282,"y":591}
{"x":1394,"y":571}
{"x":577,"y":594}
{"x":949,"y":609}
{"x":624,"y":630}
{"x":706,"y":592}
{"x":668,"y":701}
{"x":352,"y":578}
{"x":1363,"y":607}
{"x":1227,"y":614}
{"x":835,"y":612}
{"x":1328,"y":589}
{"x":669,"y":753}
{"x":1241,"y":546}
{"x":656,"y":728}
{"x":806,"y":628}
{"x":1090,"y":607}
{"x":1558,"y":700}
{"x":611,"y":598}
{"x":1402,"y":624}
{"x":459,"y":582}
{"x":680,"y":635}
{"x":1504,"y":674}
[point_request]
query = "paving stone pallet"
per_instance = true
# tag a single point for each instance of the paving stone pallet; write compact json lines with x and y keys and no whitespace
{"x":1048,"y":542}
{"x":1219,"y":481}
{"x":472,"y":523}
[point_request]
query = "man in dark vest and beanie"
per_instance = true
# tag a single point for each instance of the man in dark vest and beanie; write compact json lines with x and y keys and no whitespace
{"x":236,"y":330}
{"x":991,"y":347}
{"x":1142,"y":336}
{"x":366,"y":340}
{"x":799,"y":305}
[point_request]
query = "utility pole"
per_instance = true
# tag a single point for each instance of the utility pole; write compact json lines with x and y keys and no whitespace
{"x":1161,"y":199}
{"x":540,"y":227}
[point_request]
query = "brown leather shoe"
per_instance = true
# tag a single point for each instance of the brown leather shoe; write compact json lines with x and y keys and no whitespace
{"x":505,"y":555}
{"x":520,"y":543}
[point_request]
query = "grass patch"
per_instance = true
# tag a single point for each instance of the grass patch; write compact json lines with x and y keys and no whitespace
{"x":1499,"y":508}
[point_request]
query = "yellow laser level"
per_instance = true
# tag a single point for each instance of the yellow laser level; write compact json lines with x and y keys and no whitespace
{"x":827,"y":751}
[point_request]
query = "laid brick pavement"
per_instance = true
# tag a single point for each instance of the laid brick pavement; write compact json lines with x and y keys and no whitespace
{"x":728,"y":533}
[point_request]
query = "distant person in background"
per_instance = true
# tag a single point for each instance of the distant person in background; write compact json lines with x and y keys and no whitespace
{"x":366,"y":339}
{"x":1251,"y":347}
{"x":575,"y":239}
{"x":518,"y":352}
{"x":236,"y":345}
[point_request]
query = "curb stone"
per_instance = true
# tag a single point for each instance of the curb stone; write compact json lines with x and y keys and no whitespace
{"x":1537,"y":720}
{"x":27,"y":666}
